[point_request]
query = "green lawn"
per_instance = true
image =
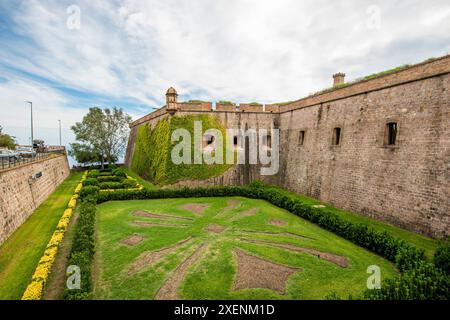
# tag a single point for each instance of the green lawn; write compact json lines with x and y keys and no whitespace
{"x":420,"y":241}
{"x":120,"y":273}
{"x":20,"y":254}
{"x":143,"y":182}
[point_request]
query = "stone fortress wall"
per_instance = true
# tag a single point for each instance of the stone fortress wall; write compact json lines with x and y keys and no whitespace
{"x":406,"y":184}
{"x":25,"y":187}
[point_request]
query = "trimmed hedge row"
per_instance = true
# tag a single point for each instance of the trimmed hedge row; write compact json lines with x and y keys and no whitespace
{"x":83,"y":245}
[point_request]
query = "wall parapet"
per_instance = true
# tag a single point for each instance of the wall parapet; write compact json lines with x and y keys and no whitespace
{"x":24,"y":188}
{"x":421,"y":71}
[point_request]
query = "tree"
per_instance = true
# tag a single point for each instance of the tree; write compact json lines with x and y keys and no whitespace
{"x":84,"y":153}
{"x":102,"y":133}
{"x":6,"y":140}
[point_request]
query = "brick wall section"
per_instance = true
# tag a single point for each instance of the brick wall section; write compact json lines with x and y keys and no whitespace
{"x":225,"y":107}
{"x":19,"y":198}
{"x":407,"y":185}
{"x":245,"y":107}
{"x":201,"y":106}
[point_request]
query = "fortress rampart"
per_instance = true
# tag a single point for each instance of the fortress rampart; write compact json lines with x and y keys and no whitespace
{"x":25,"y":187}
{"x":406,"y":183}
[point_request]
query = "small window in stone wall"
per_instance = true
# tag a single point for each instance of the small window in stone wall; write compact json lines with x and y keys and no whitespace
{"x":301,"y":137}
{"x":336,"y":137}
{"x":391,"y":133}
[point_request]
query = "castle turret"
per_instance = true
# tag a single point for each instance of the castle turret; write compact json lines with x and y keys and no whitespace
{"x":339,"y":78}
{"x":171,"y":98}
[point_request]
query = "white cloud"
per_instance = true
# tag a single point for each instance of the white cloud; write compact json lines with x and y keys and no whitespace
{"x":239,"y":50}
{"x":49,"y":106}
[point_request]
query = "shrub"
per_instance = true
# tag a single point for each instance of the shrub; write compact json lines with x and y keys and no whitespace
{"x":90,"y":182}
{"x":109,"y":179}
{"x":89,"y":190}
{"x":442,"y":257}
{"x":129,"y":183}
{"x":119,"y":173}
{"x":111,"y":185}
{"x":424,"y":282}
{"x":83,"y":246}
{"x":93,"y":173}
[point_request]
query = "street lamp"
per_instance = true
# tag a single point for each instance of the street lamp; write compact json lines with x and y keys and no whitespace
{"x":60,"y":133}
{"x":31,"y":105}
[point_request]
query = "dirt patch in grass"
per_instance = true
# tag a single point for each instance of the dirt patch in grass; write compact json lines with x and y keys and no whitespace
{"x":157,"y":224}
{"x":246,"y":213}
{"x":149,"y":258}
{"x":169,"y":290}
{"x":133,"y":240}
{"x":340,"y":261}
{"x":146,"y":214}
{"x":231,"y":204}
{"x":196,"y":208}
{"x":284,"y":234}
{"x":254,"y":272}
{"x":277,"y":222}
{"x":216,"y":228}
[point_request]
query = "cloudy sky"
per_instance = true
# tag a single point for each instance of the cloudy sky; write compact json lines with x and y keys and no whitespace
{"x":67,"y":56}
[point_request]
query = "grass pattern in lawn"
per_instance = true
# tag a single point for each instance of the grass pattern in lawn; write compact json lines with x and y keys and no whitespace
{"x":188,"y":253}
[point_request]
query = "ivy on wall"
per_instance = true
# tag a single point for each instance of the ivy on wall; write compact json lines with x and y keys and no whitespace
{"x":151,"y":157}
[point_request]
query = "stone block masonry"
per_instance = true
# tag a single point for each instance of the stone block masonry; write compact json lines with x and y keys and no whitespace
{"x":406,"y":183}
{"x":24,"y":188}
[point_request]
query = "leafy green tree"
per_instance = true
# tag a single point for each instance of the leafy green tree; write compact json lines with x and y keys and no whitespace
{"x":84,"y":153}
{"x":6,"y":140}
{"x":103,"y":132}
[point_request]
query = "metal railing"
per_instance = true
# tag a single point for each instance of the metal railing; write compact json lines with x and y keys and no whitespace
{"x":10,"y":162}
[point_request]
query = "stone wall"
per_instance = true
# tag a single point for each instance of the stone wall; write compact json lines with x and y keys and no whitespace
{"x":21,"y":195}
{"x":407,"y":184}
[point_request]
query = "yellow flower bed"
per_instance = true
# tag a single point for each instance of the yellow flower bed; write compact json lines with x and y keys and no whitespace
{"x":73,"y":201}
{"x":78,"y":188}
{"x":36,"y":287}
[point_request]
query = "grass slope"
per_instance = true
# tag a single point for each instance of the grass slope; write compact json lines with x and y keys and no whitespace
{"x":212,"y":276}
{"x":415,"y":239}
{"x":20,"y":254}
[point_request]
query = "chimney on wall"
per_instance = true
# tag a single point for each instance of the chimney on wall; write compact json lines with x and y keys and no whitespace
{"x":171,"y":99}
{"x":339,"y":78}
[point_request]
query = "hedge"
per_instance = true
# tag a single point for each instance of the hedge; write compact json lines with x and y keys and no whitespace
{"x":124,"y":184}
{"x":83,"y":246}
{"x":90,"y":182}
{"x":109,"y":179}
{"x":442,"y":257}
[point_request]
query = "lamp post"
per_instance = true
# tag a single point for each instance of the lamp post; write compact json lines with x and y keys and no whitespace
{"x":59,"y":121}
{"x":32,"y":138}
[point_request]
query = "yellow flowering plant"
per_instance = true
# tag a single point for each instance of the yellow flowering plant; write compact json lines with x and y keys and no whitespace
{"x":40,"y":276}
